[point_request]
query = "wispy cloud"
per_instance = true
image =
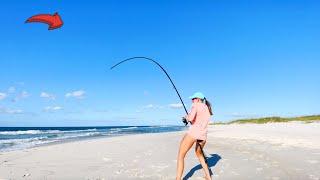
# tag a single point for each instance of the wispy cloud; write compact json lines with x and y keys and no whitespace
{"x":22,"y":95}
{"x":11,"y":89}
{"x":76,"y":94}
{"x":155,"y":106}
{"x":175,"y":106}
{"x":149,"y":106}
{"x":47,"y":95}
{"x":4,"y":110}
{"x":152,"y":106}
{"x":2,"y":95}
{"x":52,"y":108}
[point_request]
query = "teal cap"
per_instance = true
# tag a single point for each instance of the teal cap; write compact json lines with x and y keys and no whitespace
{"x":197,"y":95}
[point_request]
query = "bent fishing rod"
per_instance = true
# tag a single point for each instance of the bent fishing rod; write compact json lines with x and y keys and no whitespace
{"x":149,"y":59}
{"x":175,"y":88}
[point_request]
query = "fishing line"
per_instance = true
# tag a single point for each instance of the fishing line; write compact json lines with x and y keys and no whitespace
{"x":175,"y":88}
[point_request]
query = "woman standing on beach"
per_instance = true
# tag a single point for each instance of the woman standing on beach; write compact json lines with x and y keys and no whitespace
{"x":199,"y":118}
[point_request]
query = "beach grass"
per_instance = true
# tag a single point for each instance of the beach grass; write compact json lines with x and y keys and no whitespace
{"x":275,"y":119}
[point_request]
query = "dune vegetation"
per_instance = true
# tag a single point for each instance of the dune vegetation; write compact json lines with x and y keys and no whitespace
{"x":307,"y":119}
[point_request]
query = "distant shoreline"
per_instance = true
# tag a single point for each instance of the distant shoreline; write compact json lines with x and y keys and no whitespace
{"x":273,"y":119}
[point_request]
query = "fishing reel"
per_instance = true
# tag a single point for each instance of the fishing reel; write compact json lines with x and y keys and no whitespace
{"x":184,"y":120}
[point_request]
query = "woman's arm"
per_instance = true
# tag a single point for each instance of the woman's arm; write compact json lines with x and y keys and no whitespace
{"x":191,"y":116}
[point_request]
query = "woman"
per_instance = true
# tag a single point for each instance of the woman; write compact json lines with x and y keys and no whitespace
{"x":199,"y":118}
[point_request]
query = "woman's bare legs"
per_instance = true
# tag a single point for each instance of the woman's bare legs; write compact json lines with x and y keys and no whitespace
{"x":202,"y":160}
{"x":185,"y":145}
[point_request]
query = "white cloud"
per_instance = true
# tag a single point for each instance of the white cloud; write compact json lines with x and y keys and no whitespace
{"x":22,"y":95}
{"x":11,"y":89}
{"x":2,"y":95}
{"x":156,"y":107}
{"x":149,"y":106}
{"x":4,"y":110}
{"x":152,"y":106}
{"x":47,"y":95}
{"x":76,"y":94}
{"x":176,"y":106}
{"x":52,"y":108}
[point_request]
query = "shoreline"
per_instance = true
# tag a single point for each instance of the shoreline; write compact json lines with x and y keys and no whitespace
{"x":234,"y":152}
{"x":75,"y":140}
{"x":82,"y":134}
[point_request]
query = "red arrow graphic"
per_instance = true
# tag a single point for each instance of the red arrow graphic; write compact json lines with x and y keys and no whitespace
{"x":54,"y":21}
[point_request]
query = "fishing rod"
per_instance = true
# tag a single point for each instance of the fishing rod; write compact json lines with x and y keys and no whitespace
{"x":145,"y":58}
{"x":175,"y":88}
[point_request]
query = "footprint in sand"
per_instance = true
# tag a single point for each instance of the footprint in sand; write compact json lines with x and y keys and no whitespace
{"x":26,"y":175}
{"x":118,"y":172}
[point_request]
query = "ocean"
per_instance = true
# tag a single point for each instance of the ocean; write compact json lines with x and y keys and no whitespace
{"x":15,"y":138}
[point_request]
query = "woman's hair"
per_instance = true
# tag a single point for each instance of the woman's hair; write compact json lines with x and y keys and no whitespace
{"x":209,"y":105}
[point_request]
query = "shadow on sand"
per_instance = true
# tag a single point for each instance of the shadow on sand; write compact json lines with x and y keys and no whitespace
{"x":212,"y":161}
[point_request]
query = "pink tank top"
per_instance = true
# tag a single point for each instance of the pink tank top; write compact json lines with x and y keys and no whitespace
{"x":199,"y":118}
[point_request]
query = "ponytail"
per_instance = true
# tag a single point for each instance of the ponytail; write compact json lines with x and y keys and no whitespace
{"x":209,"y":106}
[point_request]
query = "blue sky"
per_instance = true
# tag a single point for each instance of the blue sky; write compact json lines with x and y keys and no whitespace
{"x":250,"y":58}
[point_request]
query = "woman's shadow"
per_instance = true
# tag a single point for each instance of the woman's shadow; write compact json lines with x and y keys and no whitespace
{"x":212,"y":161}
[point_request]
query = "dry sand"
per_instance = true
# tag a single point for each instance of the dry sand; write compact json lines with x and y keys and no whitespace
{"x":269,"y":151}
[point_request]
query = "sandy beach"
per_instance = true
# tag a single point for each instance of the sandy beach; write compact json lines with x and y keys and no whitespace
{"x":241,"y":151}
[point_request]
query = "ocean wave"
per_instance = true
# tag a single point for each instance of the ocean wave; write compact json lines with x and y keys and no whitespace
{"x":30,"y":138}
{"x":18,"y":141}
{"x":42,"y":132}
{"x":43,"y":138}
{"x":20,"y":132}
{"x":22,"y":144}
{"x":135,"y":127}
{"x":70,"y":136}
{"x":15,"y":144}
{"x":82,"y":130}
{"x":114,"y":130}
{"x":163,"y":126}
